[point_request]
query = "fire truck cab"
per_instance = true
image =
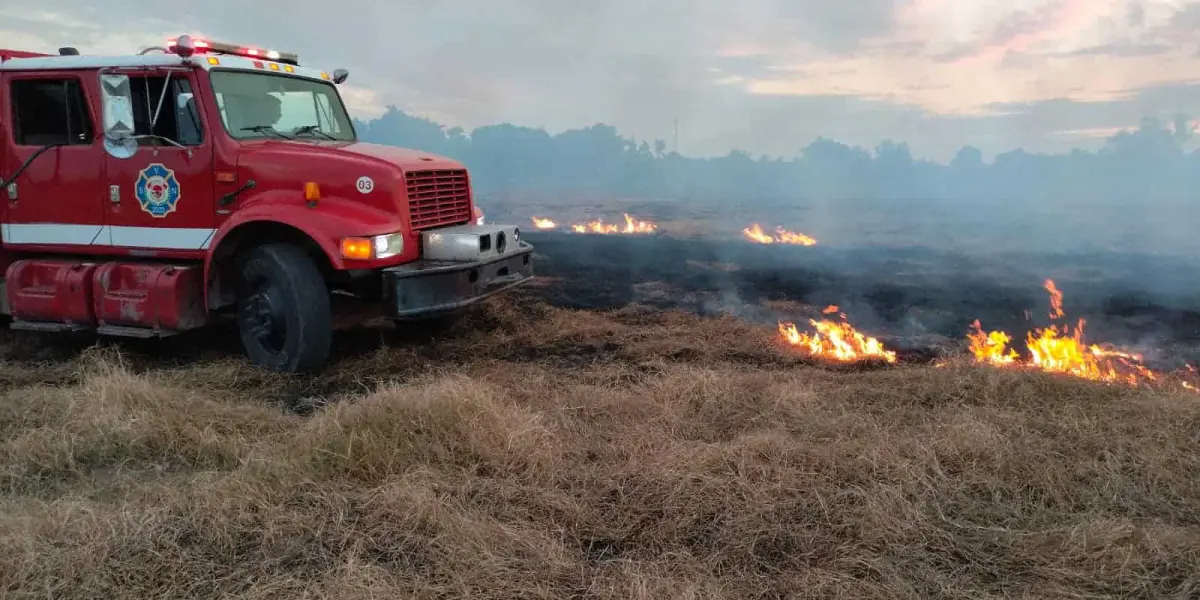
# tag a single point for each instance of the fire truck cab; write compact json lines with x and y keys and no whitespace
{"x":144,"y":195}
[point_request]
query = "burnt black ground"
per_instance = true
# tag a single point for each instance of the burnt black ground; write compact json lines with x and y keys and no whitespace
{"x":1142,"y":301}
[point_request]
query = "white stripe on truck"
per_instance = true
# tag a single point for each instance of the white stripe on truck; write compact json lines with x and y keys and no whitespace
{"x":163,"y":238}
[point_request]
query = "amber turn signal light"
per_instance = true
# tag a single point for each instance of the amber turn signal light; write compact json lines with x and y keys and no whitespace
{"x":357,"y":248}
{"x":312,"y":191}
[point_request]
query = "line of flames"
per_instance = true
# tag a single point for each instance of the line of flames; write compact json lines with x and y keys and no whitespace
{"x":632,"y":226}
{"x":755,"y":233}
{"x":1055,"y":349}
{"x":1060,"y":349}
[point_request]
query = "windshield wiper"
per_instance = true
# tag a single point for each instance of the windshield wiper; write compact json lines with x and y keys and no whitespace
{"x":155,"y":136}
{"x":312,"y":129}
{"x":265,"y":129}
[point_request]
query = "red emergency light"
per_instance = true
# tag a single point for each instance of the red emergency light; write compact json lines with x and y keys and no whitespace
{"x":202,"y":46}
{"x":11,"y":54}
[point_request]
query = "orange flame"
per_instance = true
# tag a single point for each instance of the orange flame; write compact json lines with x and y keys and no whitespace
{"x":1056,"y":310}
{"x":791,"y":237}
{"x":755,"y":233}
{"x":631,"y":226}
{"x":541,"y":223}
{"x":991,"y":347}
{"x":1062,"y":349}
{"x":833,"y":308}
{"x":836,"y":341}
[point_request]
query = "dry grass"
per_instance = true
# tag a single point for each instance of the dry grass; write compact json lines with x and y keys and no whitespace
{"x":627,"y":455}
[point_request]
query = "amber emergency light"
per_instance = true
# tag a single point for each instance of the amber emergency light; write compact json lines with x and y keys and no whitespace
{"x":312,"y":191}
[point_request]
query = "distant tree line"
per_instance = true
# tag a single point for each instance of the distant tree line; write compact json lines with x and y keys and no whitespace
{"x":1145,"y":164}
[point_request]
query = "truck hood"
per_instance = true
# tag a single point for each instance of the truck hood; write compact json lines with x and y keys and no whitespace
{"x":404,"y":158}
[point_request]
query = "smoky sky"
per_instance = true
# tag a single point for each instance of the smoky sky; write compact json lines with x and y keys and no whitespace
{"x":764,"y":76}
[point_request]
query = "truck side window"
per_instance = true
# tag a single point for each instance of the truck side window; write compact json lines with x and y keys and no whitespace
{"x":178,"y":116}
{"x":50,"y":111}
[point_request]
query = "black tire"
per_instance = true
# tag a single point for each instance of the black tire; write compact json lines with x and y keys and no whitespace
{"x":283,"y":309}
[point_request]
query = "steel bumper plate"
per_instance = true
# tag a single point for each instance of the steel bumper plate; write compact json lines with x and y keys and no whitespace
{"x":428,"y":288}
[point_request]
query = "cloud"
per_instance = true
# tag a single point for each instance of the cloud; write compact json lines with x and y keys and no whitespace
{"x":766,"y":76}
{"x":1124,"y":50}
{"x":833,"y":26}
{"x":1024,"y":29}
{"x":963,"y":58}
{"x":1185,"y":21}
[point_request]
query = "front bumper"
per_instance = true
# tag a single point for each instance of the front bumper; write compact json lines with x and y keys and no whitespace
{"x":428,"y":288}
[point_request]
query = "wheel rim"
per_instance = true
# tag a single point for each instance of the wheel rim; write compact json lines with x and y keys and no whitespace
{"x":263,"y":316}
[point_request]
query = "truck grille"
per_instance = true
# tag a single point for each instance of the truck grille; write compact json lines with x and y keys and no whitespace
{"x":440,"y":197}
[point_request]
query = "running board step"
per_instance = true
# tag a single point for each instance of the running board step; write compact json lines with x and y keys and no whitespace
{"x":47,"y":326}
{"x":134,"y":332}
{"x":114,"y":330}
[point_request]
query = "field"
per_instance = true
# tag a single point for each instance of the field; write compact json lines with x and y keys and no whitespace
{"x":555,"y":446}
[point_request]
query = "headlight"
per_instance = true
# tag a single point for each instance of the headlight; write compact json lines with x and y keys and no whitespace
{"x":387,"y":246}
{"x":375,"y":247}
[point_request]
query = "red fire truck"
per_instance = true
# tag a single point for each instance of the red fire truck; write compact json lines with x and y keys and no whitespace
{"x":145,"y":195}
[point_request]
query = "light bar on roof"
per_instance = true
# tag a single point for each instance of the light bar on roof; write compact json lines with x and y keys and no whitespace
{"x":203,"y":46}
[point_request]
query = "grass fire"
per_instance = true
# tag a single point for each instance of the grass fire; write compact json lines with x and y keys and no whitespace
{"x":641,"y":424}
{"x":323,"y":366}
{"x":1060,"y":348}
{"x":835,"y":340}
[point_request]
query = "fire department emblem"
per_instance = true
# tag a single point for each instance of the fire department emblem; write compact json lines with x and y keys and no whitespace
{"x":157,"y":190}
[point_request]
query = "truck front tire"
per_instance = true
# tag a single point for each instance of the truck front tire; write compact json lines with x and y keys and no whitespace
{"x":283,"y":309}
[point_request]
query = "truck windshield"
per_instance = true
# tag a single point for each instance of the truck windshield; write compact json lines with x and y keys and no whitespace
{"x":262,"y":105}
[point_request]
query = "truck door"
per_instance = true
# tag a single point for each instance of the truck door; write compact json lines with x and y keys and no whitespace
{"x":58,"y":198}
{"x":163,"y":196}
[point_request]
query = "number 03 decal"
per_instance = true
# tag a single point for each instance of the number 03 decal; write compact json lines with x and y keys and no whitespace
{"x":365,"y":185}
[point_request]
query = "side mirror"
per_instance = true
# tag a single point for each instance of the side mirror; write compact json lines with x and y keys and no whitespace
{"x":340,"y":75}
{"x":117,"y":98}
